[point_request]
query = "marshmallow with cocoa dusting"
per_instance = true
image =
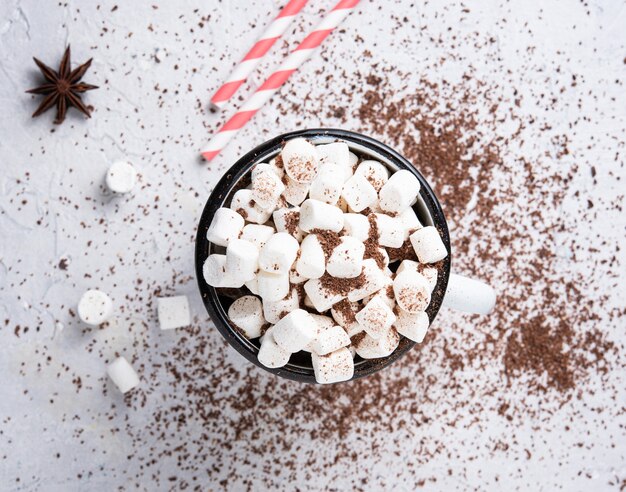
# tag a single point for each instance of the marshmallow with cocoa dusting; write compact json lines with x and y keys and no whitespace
{"x":390,"y":231}
{"x":357,"y":226}
{"x":319,"y":215}
{"x":344,"y":313}
{"x":321,"y":297}
{"x":334,"y":367}
{"x":337,"y":154}
{"x":295,"y":193}
{"x":279,"y":253}
{"x":295,"y":331}
{"x":346,"y":259}
{"x":429,"y":273}
{"x":242,"y":260}
{"x":288,"y":220}
{"x":243,"y":203}
{"x":300,"y":160}
{"x":266,"y":188}
{"x":375,"y":172}
{"x":327,"y":185}
{"x":272,"y":287}
{"x":173,"y":312}
{"x":376,"y":317}
{"x":123,"y":375}
{"x":412,"y":291}
{"x":95,"y":307}
{"x":312,"y":262}
{"x":246,"y":313}
{"x":428,"y":245}
{"x":374,"y":280}
{"x":226,"y":225}
{"x":257,"y":234}
{"x":399,"y":192}
{"x":358,"y":193}
{"x":330,"y":339}
{"x":271,"y":354}
{"x":412,"y":325}
{"x":370,"y":348}
{"x":410,"y":222}
{"x":274,"y":311}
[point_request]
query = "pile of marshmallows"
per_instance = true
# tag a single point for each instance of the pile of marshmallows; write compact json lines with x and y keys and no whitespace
{"x":276,"y":234}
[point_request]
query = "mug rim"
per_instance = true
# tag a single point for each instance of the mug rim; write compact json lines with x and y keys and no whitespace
{"x":222,"y":191}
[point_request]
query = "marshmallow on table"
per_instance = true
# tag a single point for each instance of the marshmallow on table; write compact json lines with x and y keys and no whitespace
{"x":287,"y":220}
{"x":300,"y":160}
{"x":275,"y":310}
{"x":357,"y":226}
{"x":246,"y":313}
{"x":410,"y":222}
{"x":375,"y":279}
{"x":326,"y":187}
{"x":320,"y":297}
{"x":428,"y":245}
{"x":294,"y":332}
{"x":95,"y":307}
{"x":346,"y":260}
{"x":319,"y":215}
{"x":226,"y":225}
{"x":272,"y":287}
{"x":333,"y":368}
{"x":242,"y":260}
{"x":257,"y":234}
{"x":295,"y":193}
{"x":243,"y":203}
{"x":312,"y":262}
{"x":412,"y":325}
{"x":279,"y":253}
{"x":390,"y":231}
{"x":376,"y":317}
{"x":370,"y":348}
{"x":271,"y":354}
{"x":121,"y":177}
{"x":266,"y":188}
{"x":375,"y":172}
{"x":330,"y":339}
{"x":173,"y":312}
{"x":412,"y":291}
{"x":358,"y":193}
{"x":341,"y":314}
{"x":399,"y":192}
{"x":122,"y":374}
{"x":336,"y":154}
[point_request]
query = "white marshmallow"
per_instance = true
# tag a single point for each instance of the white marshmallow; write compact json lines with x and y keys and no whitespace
{"x":337,"y":154}
{"x":412,"y":291}
{"x":408,"y":265}
{"x":272,"y":287}
{"x":330,"y":339}
{"x":319,"y":215}
{"x":312,"y":262}
{"x":326,"y":187}
{"x":385,"y":294}
{"x":278,"y":170}
{"x":271,"y":354}
{"x":333,"y":368}
{"x":214,"y":271}
{"x":376,"y":317}
{"x":300,"y":160}
{"x":173,"y":312}
{"x":266,"y":188}
{"x":279,"y":253}
{"x":242,"y":260}
{"x":346,"y":321}
{"x":375,"y":279}
{"x":410,"y":222}
{"x":429,"y":273}
{"x":295,"y":193}
{"x":295,"y":331}
{"x":323,"y":322}
{"x":390,"y":231}
{"x":399,"y":192}
{"x":253,"y":285}
{"x":358,"y":193}
{"x":320,"y":297}
{"x":295,"y":277}
{"x":284,"y":217}
{"x":357,"y":226}
{"x":122,"y":374}
{"x":275,"y":310}
{"x":243,"y":203}
{"x":95,"y":307}
{"x":246,"y":313}
{"x":428,"y":245}
{"x":226,"y":225}
{"x":346,"y":260}
{"x":412,"y":325}
{"x":375,"y":172}
{"x":307,"y":302}
{"x":370,"y":348}
{"x":257,"y":234}
{"x":121,"y":177}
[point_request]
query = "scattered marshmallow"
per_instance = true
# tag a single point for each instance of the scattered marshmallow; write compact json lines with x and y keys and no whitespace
{"x":370,"y":348}
{"x":320,"y":297}
{"x":246,"y":313}
{"x":287,"y":220}
{"x":257,"y":234}
{"x":375,"y":172}
{"x":330,"y":339}
{"x":295,"y":193}
{"x":242,"y":260}
{"x":428,"y":245}
{"x":319,"y":215}
{"x":272,"y":287}
{"x":358,"y":193}
{"x":95,"y":307}
{"x":412,"y":325}
{"x":375,"y":279}
{"x":326,"y":187}
{"x":279,"y":253}
{"x":271,"y":354}
{"x":300,"y":160}
{"x":312,"y":262}
{"x":295,"y":331}
{"x":357,"y":226}
{"x":243,"y":203}
{"x":123,"y":375}
{"x":274,"y":311}
{"x":412,"y":291}
{"x":173,"y":312}
{"x":226,"y":225}
{"x":121,"y":177}
{"x":390,"y":231}
{"x":333,"y":368}
{"x":399,"y":192}
{"x":376,"y":317}
{"x":347,"y":258}
{"x":336,"y":154}
{"x":266,"y":188}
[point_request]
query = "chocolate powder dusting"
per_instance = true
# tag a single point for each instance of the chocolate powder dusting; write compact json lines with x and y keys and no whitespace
{"x":345,"y":309}
{"x":329,"y":240}
{"x":292,"y":221}
{"x":341,"y":285}
{"x":372,"y":246}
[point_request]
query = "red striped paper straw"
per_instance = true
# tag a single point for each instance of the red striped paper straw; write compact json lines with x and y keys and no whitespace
{"x":278,"y":78}
{"x":239,"y":74}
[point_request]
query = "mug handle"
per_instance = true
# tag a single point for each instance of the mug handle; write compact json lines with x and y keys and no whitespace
{"x":469,"y":295}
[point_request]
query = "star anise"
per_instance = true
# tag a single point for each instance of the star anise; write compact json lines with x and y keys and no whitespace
{"x":62,"y":88}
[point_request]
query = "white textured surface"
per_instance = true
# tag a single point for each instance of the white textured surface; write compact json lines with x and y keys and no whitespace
{"x":63,"y":427}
